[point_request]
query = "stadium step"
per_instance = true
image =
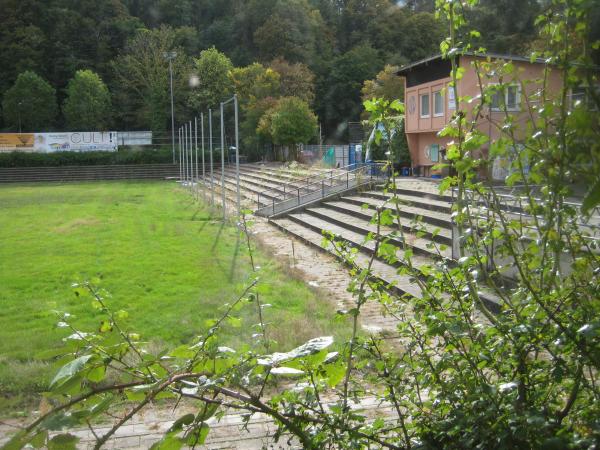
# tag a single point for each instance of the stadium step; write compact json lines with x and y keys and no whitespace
{"x":349,"y":221}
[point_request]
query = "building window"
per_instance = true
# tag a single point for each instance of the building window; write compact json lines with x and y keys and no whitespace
{"x":438,"y":104}
{"x":511,"y":95}
{"x":434,"y":152}
{"x":582,"y":96}
{"x":424,"y":105}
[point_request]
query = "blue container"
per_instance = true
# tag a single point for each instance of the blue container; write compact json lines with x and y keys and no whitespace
{"x":405,"y":171}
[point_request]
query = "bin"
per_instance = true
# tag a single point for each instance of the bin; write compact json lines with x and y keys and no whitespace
{"x":405,"y":171}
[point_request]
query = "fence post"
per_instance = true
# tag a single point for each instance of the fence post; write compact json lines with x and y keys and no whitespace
{"x":223,"y":163}
{"x":322,"y":188}
{"x":298,"y":196}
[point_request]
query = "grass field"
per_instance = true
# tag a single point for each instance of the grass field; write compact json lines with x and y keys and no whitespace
{"x":161,"y":256}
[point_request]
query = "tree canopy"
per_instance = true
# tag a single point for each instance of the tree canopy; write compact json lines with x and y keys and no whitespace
{"x":323,"y":44}
{"x":30,"y":104}
{"x":87,"y":106}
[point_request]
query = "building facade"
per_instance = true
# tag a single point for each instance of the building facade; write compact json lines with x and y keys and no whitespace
{"x":430,"y":102}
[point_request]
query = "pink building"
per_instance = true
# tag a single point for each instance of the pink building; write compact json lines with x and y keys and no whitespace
{"x":430,"y":102}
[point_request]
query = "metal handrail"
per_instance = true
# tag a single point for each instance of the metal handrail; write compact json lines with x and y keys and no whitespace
{"x":321,"y":188}
{"x":513,"y":203}
{"x":293,"y":184}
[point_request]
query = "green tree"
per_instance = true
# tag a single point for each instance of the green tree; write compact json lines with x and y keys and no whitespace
{"x":255,"y":82}
{"x":291,"y":123}
{"x":291,"y":31}
{"x":386,"y":85}
{"x":296,"y":80}
{"x":341,"y":90}
{"x":214,"y":83}
{"x":142,"y":72}
{"x":30,"y":104}
{"x":88,"y":105}
{"x":257,"y":88}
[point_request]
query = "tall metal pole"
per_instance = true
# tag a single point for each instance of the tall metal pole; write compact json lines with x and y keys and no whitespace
{"x":185,"y":150}
{"x":180,"y":156}
{"x":210,"y":147}
{"x":191,"y":156}
{"x":196,"y":143}
{"x":170,"y":56}
{"x":222,"y":160}
{"x":202,"y":134}
{"x":237,"y":155}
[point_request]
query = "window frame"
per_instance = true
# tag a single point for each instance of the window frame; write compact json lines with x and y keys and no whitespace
{"x":440,"y":114}
{"x":501,"y":107}
{"x":583,"y":95}
{"x":428,"y":115}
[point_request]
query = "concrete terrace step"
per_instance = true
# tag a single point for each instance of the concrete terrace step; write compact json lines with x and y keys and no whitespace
{"x":438,"y":232}
{"x":413,"y":199}
{"x":265,"y":177}
{"x":358,"y":220}
{"x":307,"y":230}
{"x":431,"y":220}
{"x":248,"y":190}
{"x":317,"y":223}
{"x":402,"y":284}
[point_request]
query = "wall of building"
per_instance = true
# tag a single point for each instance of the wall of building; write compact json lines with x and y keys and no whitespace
{"x":422,"y":132}
{"x":414,"y":122}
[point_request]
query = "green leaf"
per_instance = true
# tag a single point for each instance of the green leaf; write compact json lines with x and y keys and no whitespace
{"x":18,"y":441}
{"x":63,"y":442}
{"x":169,"y":442}
{"x":183,"y":351}
{"x":592,"y":197}
{"x":335,"y":374}
{"x":96,"y":374}
{"x":235,"y":322}
{"x":70,"y":369}
{"x":183,"y":420}
{"x":207,"y":412}
{"x":39,"y":440}
{"x":198,"y":435}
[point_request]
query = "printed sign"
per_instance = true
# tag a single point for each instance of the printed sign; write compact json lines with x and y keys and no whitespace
{"x":11,"y":142}
{"x":59,"y":142}
{"x":451,"y":98}
{"x":76,"y":142}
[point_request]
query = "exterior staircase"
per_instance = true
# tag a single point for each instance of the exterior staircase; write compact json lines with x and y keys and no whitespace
{"x":347,"y":215}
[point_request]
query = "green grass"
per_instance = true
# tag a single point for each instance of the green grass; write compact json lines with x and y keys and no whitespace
{"x":159,"y":254}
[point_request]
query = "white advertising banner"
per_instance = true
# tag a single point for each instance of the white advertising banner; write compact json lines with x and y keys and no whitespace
{"x":85,"y":141}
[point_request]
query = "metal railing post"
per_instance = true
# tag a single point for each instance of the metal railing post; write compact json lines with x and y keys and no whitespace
{"x":223,"y":161}
{"x":203,"y":164}
{"x":210,"y":147}
{"x":237,"y":156}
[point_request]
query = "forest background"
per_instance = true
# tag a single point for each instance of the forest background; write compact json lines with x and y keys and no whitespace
{"x":103,"y":61}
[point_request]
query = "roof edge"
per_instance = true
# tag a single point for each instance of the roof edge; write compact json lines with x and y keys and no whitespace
{"x":507,"y":57}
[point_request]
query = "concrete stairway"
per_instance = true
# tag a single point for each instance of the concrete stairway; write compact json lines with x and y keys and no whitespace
{"x":349,"y":219}
{"x":349,"y":216}
{"x":264,"y":179}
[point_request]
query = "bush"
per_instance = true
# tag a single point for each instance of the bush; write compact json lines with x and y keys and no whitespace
{"x":125,"y":155}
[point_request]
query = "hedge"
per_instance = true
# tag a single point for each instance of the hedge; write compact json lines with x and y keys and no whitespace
{"x":125,"y":155}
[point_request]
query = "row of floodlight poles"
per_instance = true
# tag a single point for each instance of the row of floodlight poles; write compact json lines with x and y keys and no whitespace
{"x":188,"y":148}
